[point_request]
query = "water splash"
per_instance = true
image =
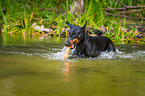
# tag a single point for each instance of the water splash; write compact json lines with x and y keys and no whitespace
{"x":58,"y":54}
{"x":139,"y":55}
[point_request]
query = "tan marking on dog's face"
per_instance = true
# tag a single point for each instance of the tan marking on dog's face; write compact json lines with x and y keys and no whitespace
{"x":76,"y":41}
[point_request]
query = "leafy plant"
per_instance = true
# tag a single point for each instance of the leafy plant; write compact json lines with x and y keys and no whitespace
{"x":21,"y":14}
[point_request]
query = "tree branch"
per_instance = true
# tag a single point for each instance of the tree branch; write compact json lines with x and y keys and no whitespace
{"x":50,"y":9}
{"x":128,"y":7}
{"x":141,"y":18}
{"x":121,"y":4}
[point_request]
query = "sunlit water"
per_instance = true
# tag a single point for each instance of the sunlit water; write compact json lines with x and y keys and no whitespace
{"x":37,"y":68}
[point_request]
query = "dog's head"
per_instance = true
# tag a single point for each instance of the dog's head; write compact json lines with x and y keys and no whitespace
{"x":75,"y":35}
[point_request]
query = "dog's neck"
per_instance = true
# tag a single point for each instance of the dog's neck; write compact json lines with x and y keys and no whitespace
{"x":85,"y":37}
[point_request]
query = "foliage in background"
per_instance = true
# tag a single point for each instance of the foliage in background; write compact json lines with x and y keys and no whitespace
{"x":19,"y":15}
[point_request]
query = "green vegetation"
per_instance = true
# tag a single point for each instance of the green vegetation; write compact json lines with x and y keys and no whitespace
{"x":19,"y":15}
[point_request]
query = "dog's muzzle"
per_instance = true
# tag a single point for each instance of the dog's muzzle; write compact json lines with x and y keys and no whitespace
{"x":72,"y":43}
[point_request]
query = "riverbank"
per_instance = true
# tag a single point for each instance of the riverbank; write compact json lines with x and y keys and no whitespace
{"x":48,"y":18}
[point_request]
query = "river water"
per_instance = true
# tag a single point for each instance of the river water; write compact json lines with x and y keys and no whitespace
{"x":35,"y":67}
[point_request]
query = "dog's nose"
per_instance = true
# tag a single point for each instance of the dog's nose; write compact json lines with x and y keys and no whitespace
{"x":67,"y":43}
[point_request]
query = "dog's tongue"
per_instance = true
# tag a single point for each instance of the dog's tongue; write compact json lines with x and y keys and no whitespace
{"x":73,"y":46}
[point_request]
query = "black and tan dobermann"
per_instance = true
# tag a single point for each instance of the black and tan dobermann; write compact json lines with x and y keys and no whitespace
{"x":87,"y":46}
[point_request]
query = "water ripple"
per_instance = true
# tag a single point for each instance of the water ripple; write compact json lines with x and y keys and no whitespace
{"x":53,"y":55}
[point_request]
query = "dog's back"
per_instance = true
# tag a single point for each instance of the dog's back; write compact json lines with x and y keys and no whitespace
{"x":103,"y":43}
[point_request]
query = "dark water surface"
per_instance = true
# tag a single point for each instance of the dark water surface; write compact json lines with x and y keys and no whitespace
{"x":35,"y":67}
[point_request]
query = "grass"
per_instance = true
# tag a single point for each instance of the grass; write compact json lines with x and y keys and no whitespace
{"x":21,"y":14}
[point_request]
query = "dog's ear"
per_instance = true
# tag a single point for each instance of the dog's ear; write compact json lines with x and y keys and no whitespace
{"x":70,"y":25}
{"x":83,"y":28}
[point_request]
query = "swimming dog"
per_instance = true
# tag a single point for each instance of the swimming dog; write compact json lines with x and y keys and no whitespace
{"x":87,"y":46}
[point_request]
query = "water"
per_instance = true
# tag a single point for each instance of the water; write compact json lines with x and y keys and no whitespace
{"x":35,"y":67}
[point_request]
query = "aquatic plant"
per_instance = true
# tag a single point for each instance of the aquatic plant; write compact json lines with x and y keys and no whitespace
{"x":19,"y":15}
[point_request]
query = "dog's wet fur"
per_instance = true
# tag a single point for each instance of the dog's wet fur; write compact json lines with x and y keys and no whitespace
{"x":87,"y":46}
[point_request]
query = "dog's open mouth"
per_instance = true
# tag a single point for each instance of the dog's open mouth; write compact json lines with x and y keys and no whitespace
{"x":74,"y":42}
{"x":73,"y":46}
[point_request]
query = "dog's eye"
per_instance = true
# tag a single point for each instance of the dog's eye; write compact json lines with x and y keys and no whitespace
{"x":73,"y":33}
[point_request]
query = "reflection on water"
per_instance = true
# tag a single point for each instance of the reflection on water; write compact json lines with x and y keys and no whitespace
{"x":37,"y":68}
{"x":66,"y":71}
